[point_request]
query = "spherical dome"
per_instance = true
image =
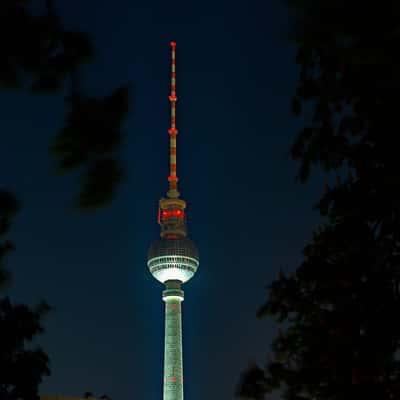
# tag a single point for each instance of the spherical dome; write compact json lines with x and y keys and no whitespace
{"x":166,"y":247}
{"x":173,"y":259}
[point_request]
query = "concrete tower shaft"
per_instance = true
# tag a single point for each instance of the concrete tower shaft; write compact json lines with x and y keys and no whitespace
{"x":173,"y":360}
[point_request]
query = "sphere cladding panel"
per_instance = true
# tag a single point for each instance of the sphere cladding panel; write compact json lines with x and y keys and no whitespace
{"x":173,"y":259}
{"x":173,"y":247}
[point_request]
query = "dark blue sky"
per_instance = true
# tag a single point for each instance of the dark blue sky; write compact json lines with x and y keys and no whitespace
{"x":236,"y":75}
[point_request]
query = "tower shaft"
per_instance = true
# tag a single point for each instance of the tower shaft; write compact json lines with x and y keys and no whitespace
{"x":173,"y":260}
{"x":173,"y":362}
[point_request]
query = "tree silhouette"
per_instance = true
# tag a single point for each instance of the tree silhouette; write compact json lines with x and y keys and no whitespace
{"x":38,"y":54}
{"x":90,"y":140}
{"x":22,"y":366}
{"x":9,"y":206}
{"x":339,"y":308}
{"x":88,"y":395}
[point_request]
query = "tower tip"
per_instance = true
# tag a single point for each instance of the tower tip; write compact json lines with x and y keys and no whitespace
{"x":173,"y":44}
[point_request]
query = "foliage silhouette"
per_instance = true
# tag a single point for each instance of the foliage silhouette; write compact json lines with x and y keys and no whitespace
{"x":90,"y":395}
{"x":339,"y":308}
{"x":90,"y":140}
{"x":22,"y":367}
{"x":9,"y":207}
{"x":38,"y":54}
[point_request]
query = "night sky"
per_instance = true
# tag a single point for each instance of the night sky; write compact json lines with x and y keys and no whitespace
{"x":236,"y":75}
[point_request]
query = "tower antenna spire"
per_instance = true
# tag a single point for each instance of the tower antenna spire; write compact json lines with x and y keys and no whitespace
{"x":173,"y":178}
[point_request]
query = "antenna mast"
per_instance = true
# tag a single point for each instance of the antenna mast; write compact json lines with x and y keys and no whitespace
{"x":173,"y":178}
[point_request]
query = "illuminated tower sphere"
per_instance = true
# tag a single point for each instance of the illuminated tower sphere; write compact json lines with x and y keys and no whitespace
{"x":173,"y":260}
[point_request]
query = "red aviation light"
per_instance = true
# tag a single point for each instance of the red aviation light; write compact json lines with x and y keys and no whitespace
{"x":173,"y":213}
{"x":173,"y":131}
{"x":173,"y":44}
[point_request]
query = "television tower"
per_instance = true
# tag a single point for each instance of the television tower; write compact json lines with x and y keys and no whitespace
{"x":173,"y":260}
